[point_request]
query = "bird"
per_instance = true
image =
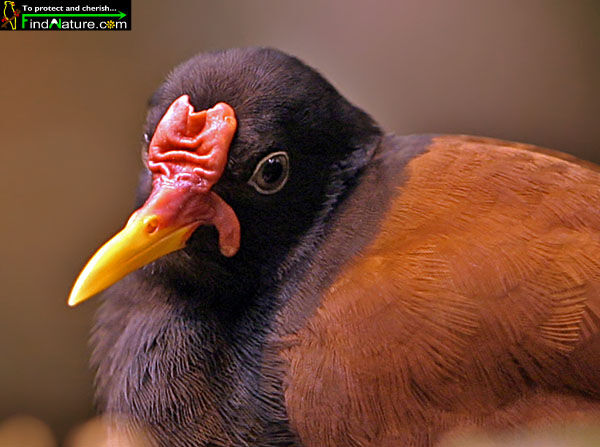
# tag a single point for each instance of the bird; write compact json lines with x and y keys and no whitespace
{"x":293,"y":275}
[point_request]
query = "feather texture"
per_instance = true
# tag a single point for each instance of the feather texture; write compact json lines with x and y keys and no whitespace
{"x":477,"y":303}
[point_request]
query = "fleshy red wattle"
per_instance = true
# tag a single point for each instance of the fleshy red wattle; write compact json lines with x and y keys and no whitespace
{"x":192,"y":145}
{"x":187,"y":156}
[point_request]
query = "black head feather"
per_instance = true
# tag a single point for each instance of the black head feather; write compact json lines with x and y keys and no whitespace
{"x":181,"y":346}
{"x":281,"y":105}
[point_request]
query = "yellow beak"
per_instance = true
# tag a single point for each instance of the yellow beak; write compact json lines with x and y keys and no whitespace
{"x":142,"y":241}
{"x":187,"y":155}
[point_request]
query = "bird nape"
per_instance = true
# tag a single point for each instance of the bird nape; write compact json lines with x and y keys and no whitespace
{"x":296,"y":277}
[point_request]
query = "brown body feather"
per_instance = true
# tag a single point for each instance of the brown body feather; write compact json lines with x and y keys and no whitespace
{"x":477,"y":303}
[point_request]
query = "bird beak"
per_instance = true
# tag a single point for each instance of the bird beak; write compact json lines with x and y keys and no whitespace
{"x":163,"y":225}
{"x":187,"y":155}
{"x":142,"y":241}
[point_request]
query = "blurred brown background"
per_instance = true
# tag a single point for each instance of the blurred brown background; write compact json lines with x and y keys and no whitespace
{"x":73,"y":105}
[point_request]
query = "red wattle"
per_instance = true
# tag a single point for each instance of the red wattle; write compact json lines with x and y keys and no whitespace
{"x":187,"y":156}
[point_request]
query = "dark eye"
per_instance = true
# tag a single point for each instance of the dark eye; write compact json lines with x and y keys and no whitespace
{"x":271,"y":173}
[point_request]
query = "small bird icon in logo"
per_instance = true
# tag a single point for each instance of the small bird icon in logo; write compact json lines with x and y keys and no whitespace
{"x":10,"y":15}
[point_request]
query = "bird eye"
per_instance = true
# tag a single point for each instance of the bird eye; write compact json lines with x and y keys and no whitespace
{"x":271,"y":173}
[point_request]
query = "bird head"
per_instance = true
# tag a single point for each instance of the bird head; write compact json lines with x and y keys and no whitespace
{"x":247,"y":151}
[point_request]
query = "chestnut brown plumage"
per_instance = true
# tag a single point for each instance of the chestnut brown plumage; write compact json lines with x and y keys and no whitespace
{"x":387,"y":290}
